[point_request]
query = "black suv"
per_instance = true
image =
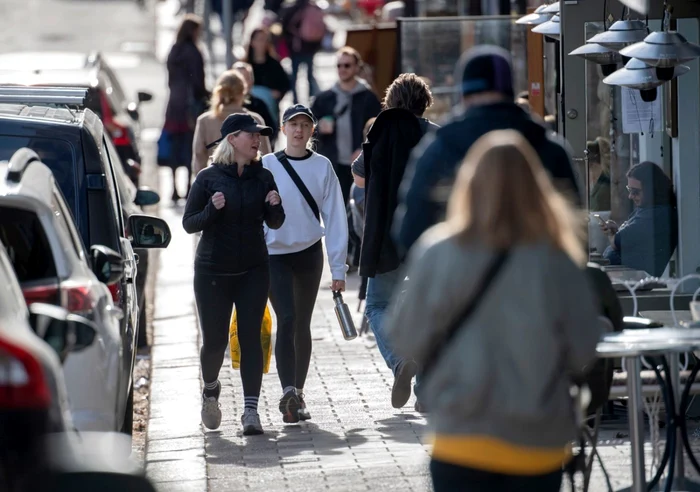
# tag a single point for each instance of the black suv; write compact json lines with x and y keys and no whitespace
{"x":71,"y":141}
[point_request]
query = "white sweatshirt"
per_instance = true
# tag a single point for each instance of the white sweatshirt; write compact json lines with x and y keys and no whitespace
{"x":301,"y":229}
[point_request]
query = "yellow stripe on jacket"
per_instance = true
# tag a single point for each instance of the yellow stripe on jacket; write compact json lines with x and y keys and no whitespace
{"x":497,"y":456}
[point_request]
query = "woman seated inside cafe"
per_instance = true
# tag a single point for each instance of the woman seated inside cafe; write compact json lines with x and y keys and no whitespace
{"x":648,"y":238}
{"x":598,"y":152}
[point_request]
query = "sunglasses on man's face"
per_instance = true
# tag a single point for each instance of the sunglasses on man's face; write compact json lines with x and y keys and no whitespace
{"x":633,"y":191}
{"x":345,"y":65}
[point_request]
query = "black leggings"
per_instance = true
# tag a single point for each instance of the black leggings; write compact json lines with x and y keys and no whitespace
{"x":445,"y":477}
{"x":215,"y":296}
{"x":294,"y":283}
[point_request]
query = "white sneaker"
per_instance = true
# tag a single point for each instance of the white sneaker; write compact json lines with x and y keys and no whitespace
{"x":211,"y":412}
{"x":251,"y":423}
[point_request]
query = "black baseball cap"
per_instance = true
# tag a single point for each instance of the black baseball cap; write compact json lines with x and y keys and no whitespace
{"x":296,"y":110}
{"x":241,"y":122}
{"x":486,"y":68}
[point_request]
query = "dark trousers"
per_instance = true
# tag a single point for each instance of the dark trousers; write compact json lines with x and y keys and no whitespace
{"x":215,"y":296}
{"x":345,"y":179}
{"x":453,"y":478}
{"x":294,"y":283}
{"x":181,"y":156}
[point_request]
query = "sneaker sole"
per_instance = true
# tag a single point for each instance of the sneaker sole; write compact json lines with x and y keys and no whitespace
{"x":303,"y":417}
{"x":290,"y":410}
{"x":252,"y":431}
{"x":401,"y":391}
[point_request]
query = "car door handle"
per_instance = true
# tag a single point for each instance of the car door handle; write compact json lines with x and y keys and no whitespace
{"x":116,"y":312}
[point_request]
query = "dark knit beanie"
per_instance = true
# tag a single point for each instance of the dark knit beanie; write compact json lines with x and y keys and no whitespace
{"x":486,"y":68}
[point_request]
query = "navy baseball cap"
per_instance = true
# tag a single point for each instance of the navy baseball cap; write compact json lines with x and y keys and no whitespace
{"x":296,"y":110}
{"x":486,"y":68}
{"x":241,"y":122}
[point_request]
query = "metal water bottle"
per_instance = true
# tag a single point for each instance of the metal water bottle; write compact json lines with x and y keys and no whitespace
{"x":342,"y":311}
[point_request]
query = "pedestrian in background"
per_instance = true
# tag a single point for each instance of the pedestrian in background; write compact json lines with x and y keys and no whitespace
{"x":303,"y":30}
{"x":486,"y":84}
{"x":227,"y":98}
{"x":397,"y":129}
{"x":253,"y":103}
{"x":229,"y":202}
{"x":499,"y":389}
{"x":310,"y":191}
{"x":342,"y":112}
{"x":188,"y":95}
{"x":271,"y":81}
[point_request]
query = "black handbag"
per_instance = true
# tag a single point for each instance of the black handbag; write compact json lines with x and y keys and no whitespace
{"x":299,"y":183}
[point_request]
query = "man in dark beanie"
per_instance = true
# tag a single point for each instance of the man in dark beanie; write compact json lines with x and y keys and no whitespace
{"x":486,"y":85}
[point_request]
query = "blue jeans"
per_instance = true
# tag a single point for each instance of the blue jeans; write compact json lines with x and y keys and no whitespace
{"x":379,"y":292}
{"x":297,"y":60}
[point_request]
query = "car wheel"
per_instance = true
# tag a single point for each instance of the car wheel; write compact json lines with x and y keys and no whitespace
{"x":128,"y":427}
{"x":143,"y":324}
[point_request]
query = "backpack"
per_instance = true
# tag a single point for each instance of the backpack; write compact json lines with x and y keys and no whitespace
{"x":312,"y":28}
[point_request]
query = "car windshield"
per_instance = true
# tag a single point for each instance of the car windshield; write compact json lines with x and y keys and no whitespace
{"x":57,"y":154}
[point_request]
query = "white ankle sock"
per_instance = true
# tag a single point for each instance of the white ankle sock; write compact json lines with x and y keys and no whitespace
{"x":287,"y":389}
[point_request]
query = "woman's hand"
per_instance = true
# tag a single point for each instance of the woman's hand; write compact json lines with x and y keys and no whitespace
{"x":610,"y":227}
{"x":273,"y":198}
{"x":218,"y":200}
{"x":338,"y":286}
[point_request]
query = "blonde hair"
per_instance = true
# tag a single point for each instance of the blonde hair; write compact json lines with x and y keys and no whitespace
{"x":230,"y":87}
{"x":225,"y":152}
{"x":504,"y":197}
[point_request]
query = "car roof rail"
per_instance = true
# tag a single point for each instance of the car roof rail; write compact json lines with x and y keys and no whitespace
{"x":44,"y":96}
{"x":19,"y":162}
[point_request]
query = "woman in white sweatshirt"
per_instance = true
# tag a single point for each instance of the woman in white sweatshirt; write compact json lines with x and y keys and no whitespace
{"x":310,"y":191}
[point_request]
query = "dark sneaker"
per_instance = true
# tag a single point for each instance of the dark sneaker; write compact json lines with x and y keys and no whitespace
{"x":401,"y":391}
{"x":289,"y":406}
{"x":251,"y":423}
{"x":303,"y":412}
{"x":419,"y":407}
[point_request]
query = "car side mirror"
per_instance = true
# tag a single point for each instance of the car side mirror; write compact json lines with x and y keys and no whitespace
{"x":63,"y":331}
{"x":146,"y":196}
{"x":146,"y":231}
{"x":144,"y":96}
{"x":107,"y":264}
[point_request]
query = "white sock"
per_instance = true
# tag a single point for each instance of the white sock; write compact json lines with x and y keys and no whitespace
{"x":287,"y":389}
{"x":251,"y":403}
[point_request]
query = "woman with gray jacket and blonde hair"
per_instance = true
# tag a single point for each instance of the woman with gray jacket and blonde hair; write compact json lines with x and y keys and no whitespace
{"x":505,"y":274}
{"x":227,"y":98}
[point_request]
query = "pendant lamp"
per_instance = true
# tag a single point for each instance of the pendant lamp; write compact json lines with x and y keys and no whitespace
{"x":638,"y":75}
{"x":621,"y":34}
{"x":551,"y":28}
{"x":596,"y":53}
{"x":536,"y":18}
{"x":663,"y":50}
{"x":552,"y":8}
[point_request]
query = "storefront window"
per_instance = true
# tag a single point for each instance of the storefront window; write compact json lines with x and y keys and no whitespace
{"x":442,"y":42}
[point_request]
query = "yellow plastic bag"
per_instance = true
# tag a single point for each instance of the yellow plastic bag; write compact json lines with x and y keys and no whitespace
{"x":265,"y":338}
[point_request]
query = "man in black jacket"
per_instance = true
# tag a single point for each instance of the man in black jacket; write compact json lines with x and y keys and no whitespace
{"x":341,"y":113}
{"x":488,"y":97}
{"x":394,"y":133}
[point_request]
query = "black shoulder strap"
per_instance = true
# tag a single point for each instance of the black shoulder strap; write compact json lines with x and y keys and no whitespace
{"x":300,"y":184}
{"x":466,"y":313}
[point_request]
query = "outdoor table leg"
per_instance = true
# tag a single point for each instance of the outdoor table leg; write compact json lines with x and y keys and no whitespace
{"x":636,"y":423}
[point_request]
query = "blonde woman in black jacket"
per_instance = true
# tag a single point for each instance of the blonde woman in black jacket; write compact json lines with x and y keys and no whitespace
{"x":228,"y":203}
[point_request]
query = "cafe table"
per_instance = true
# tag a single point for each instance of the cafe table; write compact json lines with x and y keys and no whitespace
{"x":632,"y":345}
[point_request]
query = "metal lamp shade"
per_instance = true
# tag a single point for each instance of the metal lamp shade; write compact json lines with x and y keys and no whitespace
{"x":552,"y":8}
{"x":551,"y":28}
{"x":536,"y":18}
{"x":664,"y":49}
{"x":597,"y":53}
{"x":621,"y":34}
{"x":639,"y":75}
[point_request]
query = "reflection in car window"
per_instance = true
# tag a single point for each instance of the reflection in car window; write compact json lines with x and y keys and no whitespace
{"x":57,"y":154}
{"x":11,"y":298}
{"x":65,"y":220}
{"x":26,"y":244}
{"x":113,"y":191}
